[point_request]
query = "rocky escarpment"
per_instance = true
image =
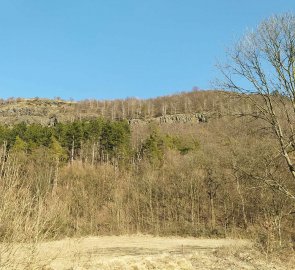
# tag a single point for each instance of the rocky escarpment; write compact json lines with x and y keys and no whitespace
{"x":174,"y":118}
{"x":51,"y":116}
{"x":50,"y":112}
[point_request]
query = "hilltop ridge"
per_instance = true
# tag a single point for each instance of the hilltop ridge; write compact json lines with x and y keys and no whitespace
{"x":185,"y":107}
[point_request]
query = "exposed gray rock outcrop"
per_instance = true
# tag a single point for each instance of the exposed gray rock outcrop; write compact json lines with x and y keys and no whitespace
{"x":174,"y":118}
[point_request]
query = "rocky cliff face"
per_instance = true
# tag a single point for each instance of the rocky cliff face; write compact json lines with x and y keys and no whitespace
{"x":174,"y":118}
{"x":50,"y":112}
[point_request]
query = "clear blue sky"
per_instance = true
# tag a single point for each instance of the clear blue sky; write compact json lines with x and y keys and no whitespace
{"x":119,"y":48}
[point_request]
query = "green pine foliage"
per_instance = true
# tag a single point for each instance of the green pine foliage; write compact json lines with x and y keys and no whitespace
{"x":115,"y":138}
{"x":96,"y":139}
{"x":57,"y":151}
{"x":112,"y":137}
{"x":19,"y":145}
{"x":156,"y":145}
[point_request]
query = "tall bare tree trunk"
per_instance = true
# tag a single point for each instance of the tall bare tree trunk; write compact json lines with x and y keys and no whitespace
{"x":73,"y":150}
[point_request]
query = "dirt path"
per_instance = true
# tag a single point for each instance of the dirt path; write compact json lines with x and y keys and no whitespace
{"x":145,"y":252}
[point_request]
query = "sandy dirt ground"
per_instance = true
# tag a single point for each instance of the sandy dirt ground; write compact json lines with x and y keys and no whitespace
{"x":140,"y":252}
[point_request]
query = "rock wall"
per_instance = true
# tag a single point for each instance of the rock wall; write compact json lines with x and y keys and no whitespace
{"x":174,"y":118}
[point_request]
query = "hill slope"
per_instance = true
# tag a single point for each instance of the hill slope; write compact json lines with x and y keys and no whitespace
{"x":45,"y":111}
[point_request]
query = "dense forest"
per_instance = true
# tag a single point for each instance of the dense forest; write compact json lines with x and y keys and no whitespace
{"x":102,"y":176}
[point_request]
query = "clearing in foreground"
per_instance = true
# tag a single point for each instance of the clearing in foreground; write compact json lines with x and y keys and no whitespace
{"x":142,"y":252}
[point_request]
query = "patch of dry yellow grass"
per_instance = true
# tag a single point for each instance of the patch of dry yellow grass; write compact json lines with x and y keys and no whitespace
{"x":143,"y":253}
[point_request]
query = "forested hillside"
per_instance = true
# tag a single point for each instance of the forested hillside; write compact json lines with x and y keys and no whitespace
{"x":103,"y":174}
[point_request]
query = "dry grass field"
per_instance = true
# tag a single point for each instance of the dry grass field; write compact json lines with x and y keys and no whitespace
{"x":141,"y":252}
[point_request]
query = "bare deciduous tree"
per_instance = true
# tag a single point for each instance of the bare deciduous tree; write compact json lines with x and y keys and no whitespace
{"x":261,"y":66}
